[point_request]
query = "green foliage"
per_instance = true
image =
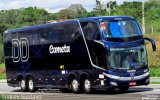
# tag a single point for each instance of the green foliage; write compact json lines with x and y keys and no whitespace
{"x":154,"y":82}
{"x":2,"y":75}
{"x":2,"y":65}
{"x":67,"y":14}
{"x":2,"y":71}
{"x":34,"y":15}
{"x":155,"y":72}
{"x":80,"y":12}
{"x":1,"y":54}
{"x":152,"y":12}
{"x":99,"y":10}
{"x":2,"y":29}
{"x":133,"y":9}
{"x":74,"y":11}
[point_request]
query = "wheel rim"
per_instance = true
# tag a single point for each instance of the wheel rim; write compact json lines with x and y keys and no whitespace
{"x":75,"y":85}
{"x":30,"y":84}
{"x":23,"y":84}
{"x":87,"y":85}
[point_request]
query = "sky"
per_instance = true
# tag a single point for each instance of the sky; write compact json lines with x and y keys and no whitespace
{"x":52,"y":6}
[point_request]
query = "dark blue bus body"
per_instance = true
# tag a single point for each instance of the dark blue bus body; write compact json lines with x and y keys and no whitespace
{"x":81,"y":54}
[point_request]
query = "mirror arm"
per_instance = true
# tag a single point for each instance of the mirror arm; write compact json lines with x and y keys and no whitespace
{"x":152,"y":42}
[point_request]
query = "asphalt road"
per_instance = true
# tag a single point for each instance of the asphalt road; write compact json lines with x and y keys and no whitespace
{"x":150,"y":92}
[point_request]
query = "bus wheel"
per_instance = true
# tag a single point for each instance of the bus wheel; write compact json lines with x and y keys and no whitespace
{"x":75,"y":86}
{"x":23,"y":85}
{"x":123,"y":88}
{"x":31,"y":85}
{"x":87,"y":86}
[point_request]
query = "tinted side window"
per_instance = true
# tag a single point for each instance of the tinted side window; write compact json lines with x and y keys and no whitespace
{"x":33,"y":37}
{"x":72,"y":32}
{"x":90,"y":30}
{"x":64,"y":33}
{"x":15,"y":35}
{"x":56,"y":34}
{"x":44,"y":35}
{"x":7,"y":39}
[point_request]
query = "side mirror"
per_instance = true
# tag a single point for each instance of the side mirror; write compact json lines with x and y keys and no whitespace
{"x":152,"y":42}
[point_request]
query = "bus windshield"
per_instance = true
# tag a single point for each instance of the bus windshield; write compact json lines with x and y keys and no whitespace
{"x":127,"y":58}
{"x":120,"y":28}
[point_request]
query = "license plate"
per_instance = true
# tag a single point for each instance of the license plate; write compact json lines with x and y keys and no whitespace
{"x":132,"y":83}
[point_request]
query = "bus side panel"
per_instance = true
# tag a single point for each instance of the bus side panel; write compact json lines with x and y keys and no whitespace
{"x":47,"y":68}
{"x":55,"y":67}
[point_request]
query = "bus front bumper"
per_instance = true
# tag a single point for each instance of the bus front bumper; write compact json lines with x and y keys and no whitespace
{"x":115,"y":81}
{"x":129,"y":81}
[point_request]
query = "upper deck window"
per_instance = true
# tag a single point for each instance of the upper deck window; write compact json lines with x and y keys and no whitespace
{"x":90,"y":30}
{"x":120,"y":28}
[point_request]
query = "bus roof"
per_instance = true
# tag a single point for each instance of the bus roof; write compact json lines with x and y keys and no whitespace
{"x":69,"y":21}
{"x":36,"y":26}
{"x":107,"y":18}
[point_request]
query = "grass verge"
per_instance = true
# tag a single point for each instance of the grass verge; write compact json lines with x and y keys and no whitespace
{"x":2,"y":71}
{"x":154,"y":82}
{"x":2,"y":76}
{"x":154,"y":72}
{"x":2,"y":65}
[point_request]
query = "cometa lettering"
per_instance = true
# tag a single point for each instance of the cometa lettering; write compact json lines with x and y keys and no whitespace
{"x":63,"y":49}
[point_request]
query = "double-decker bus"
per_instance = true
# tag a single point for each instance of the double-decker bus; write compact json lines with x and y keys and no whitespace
{"x":81,"y":54}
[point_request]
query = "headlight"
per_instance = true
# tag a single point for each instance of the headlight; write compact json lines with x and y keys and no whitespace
{"x":111,"y":76}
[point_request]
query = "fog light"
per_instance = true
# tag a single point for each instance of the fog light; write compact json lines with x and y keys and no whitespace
{"x":113,"y":83}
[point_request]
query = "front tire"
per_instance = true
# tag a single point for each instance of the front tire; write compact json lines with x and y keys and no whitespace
{"x":31,"y":84}
{"x":23,"y":85}
{"x":75,"y":86}
{"x":87,"y":86}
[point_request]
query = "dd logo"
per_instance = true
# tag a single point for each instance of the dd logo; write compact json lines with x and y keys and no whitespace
{"x":20,"y":50}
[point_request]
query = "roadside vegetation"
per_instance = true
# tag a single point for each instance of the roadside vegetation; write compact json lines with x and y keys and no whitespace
{"x":16,"y":18}
{"x":154,"y":72}
{"x":155,"y":82}
{"x":2,"y":71}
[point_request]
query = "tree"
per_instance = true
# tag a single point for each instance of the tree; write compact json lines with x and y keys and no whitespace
{"x":34,"y":14}
{"x":152,"y":12}
{"x":133,"y":9}
{"x":67,"y":14}
{"x":53,"y":16}
{"x":2,"y":29}
{"x":99,"y":10}
{"x":74,"y":11}
{"x":111,"y":6}
{"x":79,"y":10}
